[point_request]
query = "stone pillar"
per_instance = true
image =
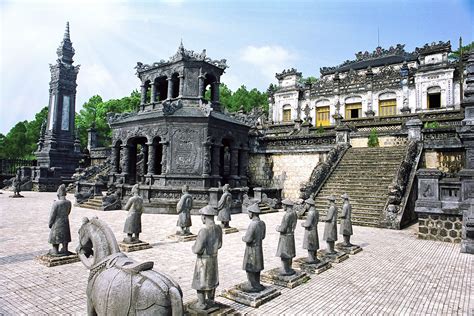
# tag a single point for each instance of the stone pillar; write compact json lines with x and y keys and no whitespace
{"x":145,"y":159}
{"x":151,"y":158}
{"x":414,"y":129}
{"x":234,"y":161}
{"x":206,"y":168}
{"x":216,"y":159}
{"x":164,"y":158}
{"x":91,"y":138}
{"x":115,"y":157}
{"x":153,"y":92}
{"x":143,"y":94}
{"x":342,"y":134}
{"x":201,"y":79}
{"x":404,"y":71}
{"x":181,"y":85}
{"x":370,"y":76}
{"x":243,"y":163}
{"x":428,"y":191}
{"x":170,"y":88}
{"x":125,"y":159}
{"x":215,"y":92}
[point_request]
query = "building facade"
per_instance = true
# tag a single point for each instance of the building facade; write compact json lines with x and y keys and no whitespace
{"x":383,"y":83}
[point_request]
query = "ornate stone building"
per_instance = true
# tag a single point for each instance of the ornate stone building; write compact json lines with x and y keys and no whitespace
{"x":179,"y":135}
{"x":385,"y":82}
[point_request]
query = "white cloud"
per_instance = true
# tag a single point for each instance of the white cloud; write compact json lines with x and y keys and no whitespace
{"x":268,"y":59}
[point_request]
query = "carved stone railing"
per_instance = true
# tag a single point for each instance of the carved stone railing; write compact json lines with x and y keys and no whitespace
{"x":322,"y":171}
{"x":398,"y":209}
{"x":299,"y":143}
{"x":442,"y":137}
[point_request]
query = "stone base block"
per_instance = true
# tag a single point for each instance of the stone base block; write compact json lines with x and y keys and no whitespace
{"x":52,"y":261}
{"x":312,"y":268}
{"x":134,"y":247}
{"x":229,"y":230}
{"x":351,"y":250}
{"x":16,"y":196}
{"x":217,"y":309}
{"x":332,"y":257}
{"x":467,"y":246}
{"x":290,"y":281}
{"x":251,"y":299}
{"x":182,"y":238}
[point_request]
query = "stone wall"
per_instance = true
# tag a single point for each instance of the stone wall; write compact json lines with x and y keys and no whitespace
{"x":440,"y":227}
{"x":445,"y":161}
{"x":288,"y":171}
{"x":384,"y":141}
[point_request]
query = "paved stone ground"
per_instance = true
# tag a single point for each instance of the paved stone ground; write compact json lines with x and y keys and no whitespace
{"x":395,"y":274}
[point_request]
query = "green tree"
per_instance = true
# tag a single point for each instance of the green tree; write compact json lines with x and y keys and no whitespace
{"x":373,"y":138}
{"x":455,"y":54}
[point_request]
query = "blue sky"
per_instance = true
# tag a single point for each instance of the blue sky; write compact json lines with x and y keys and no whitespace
{"x":258,"y":38}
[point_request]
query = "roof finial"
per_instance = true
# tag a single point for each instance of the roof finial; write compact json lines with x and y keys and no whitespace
{"x":181,"y":46}
{"x":66,"y":32}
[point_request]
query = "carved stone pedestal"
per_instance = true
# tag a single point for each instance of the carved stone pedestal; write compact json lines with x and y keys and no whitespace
{"x":217,"y":309}
{"x":52,"y":261}
{"x":332,"y":257}
{"x":16,"y":196}
{"x":351,"y":250}
{"x":182,"y":238}
{"x":229,"y":230}
{"x":251,"y":299}
{"x":290,"y":281}
{"x":124,"y":247}
{"x":312,"y":268}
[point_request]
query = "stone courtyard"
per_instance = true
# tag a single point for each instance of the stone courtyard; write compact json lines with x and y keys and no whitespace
{"x":395,"y":274}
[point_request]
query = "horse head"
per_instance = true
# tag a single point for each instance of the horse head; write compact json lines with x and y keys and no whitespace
{"x":96,"y":242}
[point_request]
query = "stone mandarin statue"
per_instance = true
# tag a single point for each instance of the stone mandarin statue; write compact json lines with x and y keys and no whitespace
{"x":183,"y":208}
{"x":286,"y":244}
{"x":224,"y":206}
{"x":311,"y":238}
{"x":330,"y":228}
{"x":59,"y":224}
{"x":346,"y":223}
{"x":253,"y":257}
{"x":206,"y":273}
{"x":133,"y":223}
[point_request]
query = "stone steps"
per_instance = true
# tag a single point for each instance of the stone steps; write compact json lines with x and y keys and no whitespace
{"x":95,"y":203}
{"x":365,"y":175}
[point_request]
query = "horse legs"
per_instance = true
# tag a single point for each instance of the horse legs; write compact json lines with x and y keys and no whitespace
{"x":176,"y":301}
{"x":90,"y":308}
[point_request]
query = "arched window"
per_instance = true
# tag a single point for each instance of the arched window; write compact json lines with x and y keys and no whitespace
{"x":322,"y":113}
{"x":161,"y":88}
{"x":433,"y":97}
{"x":175,"y":85}
{"x":387,"y":104}
{"x":353,"y":107}
{"x":287,"y":113}
{"x":209,"y":86}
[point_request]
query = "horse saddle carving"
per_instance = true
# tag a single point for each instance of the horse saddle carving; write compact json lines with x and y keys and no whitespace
{"x":130,"y":266}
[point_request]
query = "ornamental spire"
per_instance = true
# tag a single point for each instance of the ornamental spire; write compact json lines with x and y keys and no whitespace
{"x":65,"y":50}
{"x":66,"y":32}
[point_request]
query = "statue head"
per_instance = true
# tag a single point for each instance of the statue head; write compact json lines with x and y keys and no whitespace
{"x":207,"y":213}
{"x":135,"y":189}
{"x":185,"y":188}
{"x":61,"y":191}
{"x":287,"y":204}
{"x":225,"y":188}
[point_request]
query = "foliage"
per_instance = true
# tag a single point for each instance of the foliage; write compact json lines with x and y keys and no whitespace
{"x":21,"y":140}
{"x":455,"y":54}
{"x":431,"y":125}
{"x":94,"y":113}
{"x":242,"y":99}
{"x":373,"y":138}
{"x":308,"y":80}
{"x":320,"y":129}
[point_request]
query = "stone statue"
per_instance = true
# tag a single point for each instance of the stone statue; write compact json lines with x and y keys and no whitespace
{"x":60,"y":232}
{"x":346,"y":223}
{"x":330,"y":229}
{"x":224,"y":206}
{"x":111,"y":201}
{"x":253,"y":257}
{"x":206,"y":273}
{"x":84,"y":196}
{"x":311,"y":238}
{"x":286,"y":244}
{"x":133,"y":223}
{"x":119,"y":285}
{"x":183,"y":208}
{"x":16,"y":183}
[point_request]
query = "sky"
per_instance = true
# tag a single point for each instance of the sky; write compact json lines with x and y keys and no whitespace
{"x":258,"y":39}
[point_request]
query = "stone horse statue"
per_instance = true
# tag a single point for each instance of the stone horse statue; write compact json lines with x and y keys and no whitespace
{"x":119,"y":285}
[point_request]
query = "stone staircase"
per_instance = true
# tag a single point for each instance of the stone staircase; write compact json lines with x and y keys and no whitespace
{"x":94,"y":203}
{"x":364,"y":174}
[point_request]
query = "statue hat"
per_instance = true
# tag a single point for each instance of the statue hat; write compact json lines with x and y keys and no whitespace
{"x":254,"y":208}
{"x":345,"y":196}
{"x":310,"y":201}
{"x":208,"y":210}
{"x":287,"y":202}
{"x":331,"y":198}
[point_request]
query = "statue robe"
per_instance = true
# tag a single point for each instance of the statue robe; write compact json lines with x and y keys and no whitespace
{"x":311,"y":238}
{"x":59,"y":222}
{"x":330,"y":228}
{"x":286,"y":243}
{"x":224,"y":206}
{"x":183,"y":208}
{"x":346,"y":222}
{"x":133,"y":223}
{"x":253,"y":257}
{"x":206,"y":273}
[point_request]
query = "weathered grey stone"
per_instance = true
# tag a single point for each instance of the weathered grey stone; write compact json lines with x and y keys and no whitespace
{"x":16,"y":184}
{"x":253,"y":299}
{"x":346,"y":223}
{"x":312,"y":268}
{"x":59,"y":224}
{"x":133,"y":223}
{"x":112,"y":199}
{"x":275,"y":277}
{"x":330,"y":228}
{"x":333,"y":257}
{"x":183,"y":208}
{"x":118,"y":283}
{"x":206,"y":273}
{"x":286,"y":244}
{"x":311,"y":237}
{"x":223,"y":207}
